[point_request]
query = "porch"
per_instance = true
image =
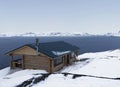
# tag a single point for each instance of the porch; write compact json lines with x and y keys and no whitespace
{"x":16,"y":61}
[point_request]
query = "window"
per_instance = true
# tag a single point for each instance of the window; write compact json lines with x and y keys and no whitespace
{"x":58,"y":60}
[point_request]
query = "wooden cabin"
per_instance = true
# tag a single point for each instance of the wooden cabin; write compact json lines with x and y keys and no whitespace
{"x":50,"y":56}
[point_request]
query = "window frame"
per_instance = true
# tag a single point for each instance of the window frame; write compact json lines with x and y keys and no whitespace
{"x":58,"y":60}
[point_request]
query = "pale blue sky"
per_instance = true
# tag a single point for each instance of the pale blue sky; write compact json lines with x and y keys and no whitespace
{"x":91,"y":16}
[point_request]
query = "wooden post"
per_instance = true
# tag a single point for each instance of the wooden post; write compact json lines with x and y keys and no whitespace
{"x":11,"y":62}
{"x":65,"y":60}
{"x":51,"y":66}
{"x":23,"y":62}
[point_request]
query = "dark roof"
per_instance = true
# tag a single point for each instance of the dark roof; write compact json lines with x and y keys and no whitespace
{"x":50,"y":48}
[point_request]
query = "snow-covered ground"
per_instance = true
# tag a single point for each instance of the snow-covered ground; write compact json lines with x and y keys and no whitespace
{"x":62,"y":81}
{"x":4,"y":72}
{"x":100,"y":64}
{"x":103,"y":64}
{"x":18,"y":77}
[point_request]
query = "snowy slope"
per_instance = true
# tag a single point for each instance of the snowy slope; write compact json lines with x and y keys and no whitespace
{"x":103,"y":64}
{"x":100,"y":64}
{"x":4,"y":72}
{"x":18,"y":77}
{"x":62,"y":81}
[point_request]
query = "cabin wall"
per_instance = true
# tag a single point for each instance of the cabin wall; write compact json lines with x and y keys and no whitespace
{"x":41,"y":61}
{"x":64,"y":63}
{"x":36,"y":62}
{"x":24,"y":51}
{"x":58,"y":67}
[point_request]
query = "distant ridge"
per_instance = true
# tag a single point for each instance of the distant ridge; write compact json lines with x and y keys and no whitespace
{"x":32,"y":34}
{"x":113,"y":34}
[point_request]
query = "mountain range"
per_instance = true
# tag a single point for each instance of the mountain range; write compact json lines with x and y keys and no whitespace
{"x":32,"y":34}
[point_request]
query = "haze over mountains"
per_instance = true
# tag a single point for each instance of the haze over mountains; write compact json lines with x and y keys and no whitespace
{"x":32,"y":34}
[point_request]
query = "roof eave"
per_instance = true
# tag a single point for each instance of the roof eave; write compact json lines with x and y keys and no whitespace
{"x":10,"y":52}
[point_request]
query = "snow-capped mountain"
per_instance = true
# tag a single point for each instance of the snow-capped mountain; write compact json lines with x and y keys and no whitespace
{"x":3,"y":35}
{"x":100,"y":69}
{"x":113,"y":34}
{"x":32,"y":34}
{"x":35,"y":34}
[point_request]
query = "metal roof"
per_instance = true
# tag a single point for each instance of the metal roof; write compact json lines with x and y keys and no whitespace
{"x":52,"y":48}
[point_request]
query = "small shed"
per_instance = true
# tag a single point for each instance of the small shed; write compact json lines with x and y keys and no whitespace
{"x":50,"y":56}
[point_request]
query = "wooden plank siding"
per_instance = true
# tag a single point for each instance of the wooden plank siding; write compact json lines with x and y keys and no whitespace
{"x":36,"y":62}
{"x":25,"y":50}
{"x":58,"y":67}
{"x":64,"y":63}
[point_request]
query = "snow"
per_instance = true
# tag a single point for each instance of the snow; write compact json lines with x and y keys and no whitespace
{"x":113,"y":34}
{"x":63,"y":81}
{"x":11,"y":82}
{"x":101,"y":67}
{"x":4,"y":71}
{"x":101,"y":64}
{"x":34,"y":34}
{"x":25,"y":72}
{"x":18,"y":77}
{"x":60,"y":53}
{"x":106,"y":54}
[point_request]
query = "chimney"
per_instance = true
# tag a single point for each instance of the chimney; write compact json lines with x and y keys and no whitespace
{"x":37,"y":43}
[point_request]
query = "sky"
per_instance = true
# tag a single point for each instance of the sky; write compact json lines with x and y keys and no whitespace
{"x":84,"y":16}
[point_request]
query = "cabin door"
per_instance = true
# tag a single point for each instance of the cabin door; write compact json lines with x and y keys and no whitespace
{"x":66,"y":59}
